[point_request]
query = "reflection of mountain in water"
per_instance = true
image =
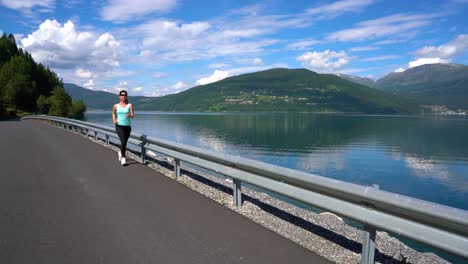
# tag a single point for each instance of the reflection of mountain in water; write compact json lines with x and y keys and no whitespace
{"x":425,"y":137}
{"x":423,"y":145}
{"x":415,"y":136}
{"x":295,"y":132}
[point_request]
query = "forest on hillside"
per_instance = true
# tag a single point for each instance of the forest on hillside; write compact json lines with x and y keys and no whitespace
{"x":27,"y":87}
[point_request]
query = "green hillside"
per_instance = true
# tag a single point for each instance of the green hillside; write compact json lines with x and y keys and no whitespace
{"x":432,"y":84}
{"x":97,"y":100}
{"x":282,"y":90}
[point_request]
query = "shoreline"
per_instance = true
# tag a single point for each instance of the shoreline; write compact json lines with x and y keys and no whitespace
{"x":436,"y":114}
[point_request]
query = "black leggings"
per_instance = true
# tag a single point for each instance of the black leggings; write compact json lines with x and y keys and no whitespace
{"x":124,"y":133}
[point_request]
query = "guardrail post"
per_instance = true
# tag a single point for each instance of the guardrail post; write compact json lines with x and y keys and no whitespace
{"x":95,"y":135}
{"x":177,"y":168}
{"x":368,"y":243}
{"x":143,"y":149}
{"x":107,"y":140}
{"x":237,"y":192}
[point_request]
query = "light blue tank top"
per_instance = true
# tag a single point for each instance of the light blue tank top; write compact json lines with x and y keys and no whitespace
{"x":122,"y":119}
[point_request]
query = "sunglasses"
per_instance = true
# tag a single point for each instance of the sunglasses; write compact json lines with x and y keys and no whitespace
{"x":122,"y":94}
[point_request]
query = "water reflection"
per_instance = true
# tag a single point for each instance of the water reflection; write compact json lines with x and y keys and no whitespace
{"x":428,"y":168}
{"x":423,"y":157}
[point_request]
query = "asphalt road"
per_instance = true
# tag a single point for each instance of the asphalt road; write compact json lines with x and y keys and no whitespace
{"x":65,"y":199}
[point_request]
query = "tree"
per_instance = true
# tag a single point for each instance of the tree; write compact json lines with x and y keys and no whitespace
{"x":45,"y":79}
{"x":18,"y":88}
{"x":8,"y":48}
{"x":60,"y":102}
{"x":77,"y":110}
{"x":42,"y":104}
{"x":2,"y":108}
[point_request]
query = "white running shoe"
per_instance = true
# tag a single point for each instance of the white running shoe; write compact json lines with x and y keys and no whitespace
{"x":120,"y":155}
{"x":123,"y":161}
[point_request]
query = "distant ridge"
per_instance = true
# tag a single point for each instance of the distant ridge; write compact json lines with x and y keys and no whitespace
{"x":270,"y":90}
{"x":442,"y":84}
{"x":429,"y":84}
{"x":364,"y":81}
{"x":282,"y":90}
{"x":96,"y":100}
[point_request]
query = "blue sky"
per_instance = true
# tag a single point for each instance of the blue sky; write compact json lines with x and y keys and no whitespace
{"x":158,"y":47}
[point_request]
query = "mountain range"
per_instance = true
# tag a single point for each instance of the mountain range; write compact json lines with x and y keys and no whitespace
{"x":429,"y":84}
{"x":304,"y":90}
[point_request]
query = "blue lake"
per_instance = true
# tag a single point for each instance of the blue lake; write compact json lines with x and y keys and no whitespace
{"x":420,"y":156}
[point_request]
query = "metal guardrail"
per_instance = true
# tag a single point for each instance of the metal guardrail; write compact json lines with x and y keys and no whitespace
{"x":440,"y":226}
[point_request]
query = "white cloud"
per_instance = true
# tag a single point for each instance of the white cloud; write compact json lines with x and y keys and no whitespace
{"x":64,"y":47}
{"x":216,"y":76}
{"x":160,"y":75}
{"x":22,"y":5}
{"x":399,"y":70}
{"x":218,"y":65}
{"x":364,"y":48}
{"x":257,"y":61}
{"x":137,"y":89}
{"x":302,"y":45}
{"x":324,"y":62}
{"x":441,"y":54}
{"x":443,"y":51}
{"x":117,"y":73}
{"x":356,"y":71}
{"x":172,"y":89}
{"x":394,"y":25}
{"x":423,"y":61}
{"x":242,"y":33}
{"x":122,"y":85}
{"x":179,"y":86}
{"x":89,"y":84}
{"x":123,"y":10}
{"x":146,"y":54}
{"x":381,"y":58}
{"x":339,"y":7}
{"x":242,"y":70}
{"x":232,"y":35}
{"x":389,"y":41}
{"x":83,"y":74}
{"x":17,"y":36}
{"x":167,"y":35}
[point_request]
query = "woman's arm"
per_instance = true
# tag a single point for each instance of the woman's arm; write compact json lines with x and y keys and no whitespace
{"x":114,"y":119}
{"x":132,"y":114}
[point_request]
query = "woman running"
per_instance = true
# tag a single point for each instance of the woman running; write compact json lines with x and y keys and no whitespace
{"x":121,"y":114}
